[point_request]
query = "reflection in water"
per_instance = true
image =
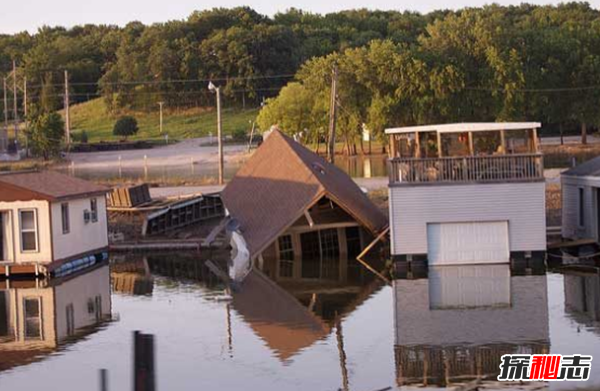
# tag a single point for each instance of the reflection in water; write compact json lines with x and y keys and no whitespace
{"x":454,"y":326}
{"x":582,"y":296}
{"x":37,"y":317}
{"x":447,"y":327}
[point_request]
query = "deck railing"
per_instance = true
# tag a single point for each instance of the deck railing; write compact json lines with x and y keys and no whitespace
{"x":497,"y":168}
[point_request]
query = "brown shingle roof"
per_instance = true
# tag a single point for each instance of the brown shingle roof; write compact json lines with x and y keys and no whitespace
{"x":280,"y":182}
{"x":46,"y":185}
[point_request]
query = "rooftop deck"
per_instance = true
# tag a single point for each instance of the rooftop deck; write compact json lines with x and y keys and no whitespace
{"x":465,"y":153}
{"x":468,"y":169}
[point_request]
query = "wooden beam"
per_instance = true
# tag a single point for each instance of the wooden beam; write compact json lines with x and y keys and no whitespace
{"x":418,"y":145}
{"x":439,"y":144}
{"x":393,"y":151}
{"x":311,"y":223}
{"x":367,"y":249}
{"x":471,"y":147}
{"x":535,"y":140}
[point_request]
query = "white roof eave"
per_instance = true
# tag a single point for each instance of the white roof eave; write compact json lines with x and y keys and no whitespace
{"x":466,"y":127}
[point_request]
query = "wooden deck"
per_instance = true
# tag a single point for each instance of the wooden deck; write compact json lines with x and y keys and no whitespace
{"x":7,"y":270}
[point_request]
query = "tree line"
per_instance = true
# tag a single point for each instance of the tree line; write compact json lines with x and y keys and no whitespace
{"x":395,"y":68}
{"x":523,"y":63}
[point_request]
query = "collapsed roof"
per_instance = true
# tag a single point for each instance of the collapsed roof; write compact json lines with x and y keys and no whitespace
{"x":280,"y":182}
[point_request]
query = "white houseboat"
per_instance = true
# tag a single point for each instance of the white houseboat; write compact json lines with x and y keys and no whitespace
{"x":50,"y":223}
{"x":466,"y":193}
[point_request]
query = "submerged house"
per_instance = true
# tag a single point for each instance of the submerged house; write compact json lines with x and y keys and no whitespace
{"x":50,"y":223}
{"x":466,"y":193}
{"x":581,"y":201}
{"x":300,"y":216}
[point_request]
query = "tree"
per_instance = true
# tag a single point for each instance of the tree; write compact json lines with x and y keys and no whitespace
{"x":125,"y":126}
{"x":45,"y":133}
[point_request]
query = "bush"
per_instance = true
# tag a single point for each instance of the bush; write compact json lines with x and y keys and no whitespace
{"x":125,"y":127}
{"x":240,"y":134}
{"x":84,"y":137}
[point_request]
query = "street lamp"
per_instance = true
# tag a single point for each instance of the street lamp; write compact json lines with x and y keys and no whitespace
{"x":217,"y":90}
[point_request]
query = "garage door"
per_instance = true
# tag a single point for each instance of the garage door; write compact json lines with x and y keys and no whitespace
{"x":468,"y":243}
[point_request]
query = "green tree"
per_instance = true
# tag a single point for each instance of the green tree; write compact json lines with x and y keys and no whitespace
{"x":125,"y":126}
{"x":45,"y":133}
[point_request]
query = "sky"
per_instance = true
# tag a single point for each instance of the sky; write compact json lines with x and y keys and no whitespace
{"x":31,"y":14}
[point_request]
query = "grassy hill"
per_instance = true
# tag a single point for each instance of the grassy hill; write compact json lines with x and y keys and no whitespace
{"x":94,"y":118}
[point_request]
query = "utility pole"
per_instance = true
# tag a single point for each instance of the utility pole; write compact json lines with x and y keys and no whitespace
{"x":67,"y":114}
{"x":5,"y":106}
{"x":217,"y":90}
{"x":160,"y":104}
{"x":332,"y":116}
{"x":15,"y":103}
{"x":25,"y":97}
{"x":4,"y":134}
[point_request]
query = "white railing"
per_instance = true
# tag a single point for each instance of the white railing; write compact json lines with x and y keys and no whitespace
{"x":497,"y":168}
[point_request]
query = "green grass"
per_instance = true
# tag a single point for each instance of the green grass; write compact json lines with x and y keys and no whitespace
{"x":94,"y":118}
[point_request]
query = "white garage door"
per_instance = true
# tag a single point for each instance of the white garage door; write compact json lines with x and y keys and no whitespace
{"x":468,"y":243}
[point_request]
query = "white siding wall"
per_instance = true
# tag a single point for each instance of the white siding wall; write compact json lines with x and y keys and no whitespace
{"x":82,"y":237}
{"x":523,"y":205}
{"x":44,"y":253}
{"x":570,"y":207}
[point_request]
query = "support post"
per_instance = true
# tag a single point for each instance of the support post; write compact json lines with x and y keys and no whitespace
{"x":143,"y":362}
{"x":15,"y":105}
{"x":417,"y":145}
{"x":536,"y":146}
{"x":220,"y":136}
{"x":160,"y":104}
{"x":503,"y":141}
{"x":471,"y":146}
{"x":439,"y":144}
{"x":67,"y":113}
{"x":103,"y":379}
{"x":332,"y":116}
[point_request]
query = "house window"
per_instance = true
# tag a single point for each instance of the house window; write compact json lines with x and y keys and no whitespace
{"x":286,"y":256}
{"x":94,"y":307}
{"x":70,"y":313}
{"x":64,"y":213}
{"x":94,"y":209}
{"x":33,"y":320}
{"x":29,"y":236}
{"x":581,"y":207}
{"x":320,"y":254}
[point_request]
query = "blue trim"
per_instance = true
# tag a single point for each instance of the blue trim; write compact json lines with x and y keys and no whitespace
{"x":80,"y":263}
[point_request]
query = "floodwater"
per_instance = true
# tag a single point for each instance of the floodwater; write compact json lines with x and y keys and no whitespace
{"x":363,"y":335}
{"x":355,"y":166}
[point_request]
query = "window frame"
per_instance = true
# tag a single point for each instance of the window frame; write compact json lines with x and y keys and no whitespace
{"x":40,"y":320}
{"x":94,"y":210}
{"x":285,"y":251}
{"x":35,"y":230}
{"x":66,"y":220}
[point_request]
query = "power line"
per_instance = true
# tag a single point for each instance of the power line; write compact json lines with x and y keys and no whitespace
{"x":173,"y":81}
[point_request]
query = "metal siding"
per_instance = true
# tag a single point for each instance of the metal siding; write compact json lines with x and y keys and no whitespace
{"x":570,"y":207}
{"x":523,"y":205}
{"x":468,"y":243}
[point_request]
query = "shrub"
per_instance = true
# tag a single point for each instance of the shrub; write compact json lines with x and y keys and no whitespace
{"x":125,"y":126}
